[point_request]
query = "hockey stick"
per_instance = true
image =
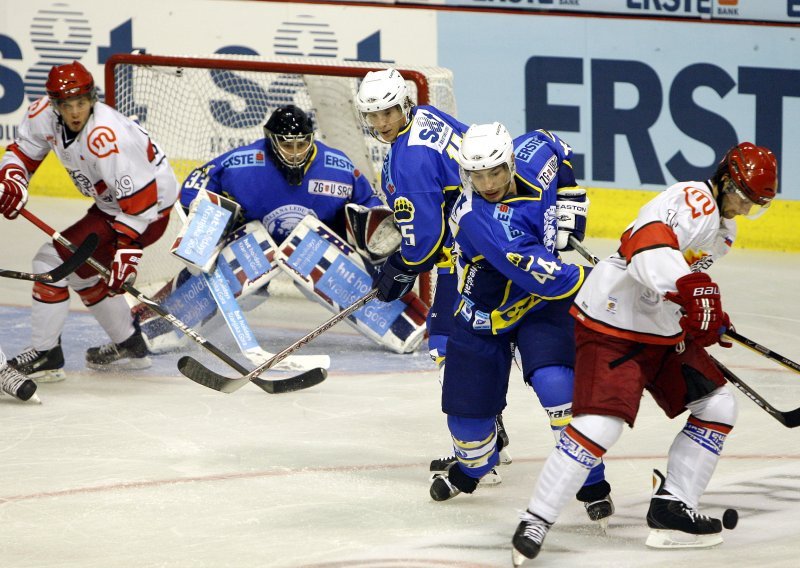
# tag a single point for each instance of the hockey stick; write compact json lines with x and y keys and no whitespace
{"x":298,"y":382}
{"x":790,"y":419}
{"x":761,"y":350}
{"x":206,"y":377}
{"x":81,"y":254}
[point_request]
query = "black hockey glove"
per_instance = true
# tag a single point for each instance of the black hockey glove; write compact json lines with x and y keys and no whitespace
{"x":393,"y":280}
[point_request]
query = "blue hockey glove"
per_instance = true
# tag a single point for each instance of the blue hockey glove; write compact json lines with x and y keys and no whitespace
{"x":393,"y":280}
{"x":571,"y":208}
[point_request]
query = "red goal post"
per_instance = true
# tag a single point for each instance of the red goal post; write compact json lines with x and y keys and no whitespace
{"x":196,"y":108}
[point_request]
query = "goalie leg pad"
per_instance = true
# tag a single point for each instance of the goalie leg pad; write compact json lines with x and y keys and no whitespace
{"x":331,"y":272}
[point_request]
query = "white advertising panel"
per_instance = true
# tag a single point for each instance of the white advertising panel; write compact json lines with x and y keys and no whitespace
{"x":37,"y":34}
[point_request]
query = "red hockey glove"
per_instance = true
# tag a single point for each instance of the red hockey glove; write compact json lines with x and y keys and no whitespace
{"x":124,"y":267}
{"x":703,"y":319}
{"x":13,"y":190}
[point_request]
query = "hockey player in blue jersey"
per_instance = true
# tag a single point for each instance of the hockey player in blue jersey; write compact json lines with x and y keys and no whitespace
{"x":284,"y":176}
{"x":519,"y":205}
{"x":420,"y":181}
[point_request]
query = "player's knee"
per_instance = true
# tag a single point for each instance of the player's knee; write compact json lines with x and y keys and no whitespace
{"x":719,"y":407}
{"x":49,"y":294}
{"x":553,"y":387}
{"x":93,"y":294}
{"x":594,"y":432}
{"x":475,"y":442}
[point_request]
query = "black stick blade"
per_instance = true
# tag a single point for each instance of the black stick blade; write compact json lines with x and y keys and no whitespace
{"x":202,"y":375}
{"x":292,"y":384}
{"x":81,"y":254}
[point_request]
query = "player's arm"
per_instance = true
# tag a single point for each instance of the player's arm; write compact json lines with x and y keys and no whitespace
{"x":205,"y":177}
{"x":524,"y":260}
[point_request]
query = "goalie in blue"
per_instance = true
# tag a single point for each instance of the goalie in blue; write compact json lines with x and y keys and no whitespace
{"x":519,"y":206}
{"x":295,"y":188}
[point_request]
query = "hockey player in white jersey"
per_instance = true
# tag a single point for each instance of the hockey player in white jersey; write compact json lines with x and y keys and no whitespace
{"x":111,"y":159}
{"x":644,"y":318}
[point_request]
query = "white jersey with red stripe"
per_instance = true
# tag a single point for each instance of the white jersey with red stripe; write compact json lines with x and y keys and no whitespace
{"x":112,"y":160}
{"x":678,"y":232}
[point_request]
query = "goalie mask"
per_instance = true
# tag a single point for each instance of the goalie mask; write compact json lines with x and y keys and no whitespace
{"x":291,"y":137}
{"x":381,"y":91}
{"x":486,"y":161}
{"x":749,"y":175}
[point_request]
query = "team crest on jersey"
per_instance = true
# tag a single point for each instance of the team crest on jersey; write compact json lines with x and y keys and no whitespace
{"x":527,"y":149}
{"x":244,"y":159}
{"x":102,"y":142}
{"x":429,"y":130}
{"x":403,"y":210}
{"x":82,"y":182}
{"x":548,"y":172}
{"x":283,"y":220}
{"x":330,"y":188}
{"x":503,"y":213}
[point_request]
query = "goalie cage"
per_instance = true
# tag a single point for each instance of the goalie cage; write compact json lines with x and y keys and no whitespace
{"x":199,"y":107}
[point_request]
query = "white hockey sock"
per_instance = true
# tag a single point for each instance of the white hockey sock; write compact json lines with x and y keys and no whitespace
{"x":559,"y":480}
{"x":114,"y":315}
{"x":47,"y":323}
{"x":696,"y":449}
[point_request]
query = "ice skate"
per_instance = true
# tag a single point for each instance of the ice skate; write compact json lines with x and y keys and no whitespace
{"x":43,"y":366}
{"x":596,"y":499}
{"x":17,"y":385}
{"x":673,"y":524}
{"x":528,"y":537}
{"x":451,"y":482}
{"x":130,"y":354}
{"x":441,"y":465}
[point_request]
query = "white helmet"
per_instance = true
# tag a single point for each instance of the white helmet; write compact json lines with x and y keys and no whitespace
{"x":483,"y":147}
{"x":381,"y":90}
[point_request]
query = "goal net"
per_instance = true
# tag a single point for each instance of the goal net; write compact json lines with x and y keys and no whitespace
{"x":196,"y":108}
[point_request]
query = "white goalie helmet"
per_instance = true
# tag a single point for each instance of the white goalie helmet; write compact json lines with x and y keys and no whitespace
{"x":381,"y":90}
{"x":483,"y":147}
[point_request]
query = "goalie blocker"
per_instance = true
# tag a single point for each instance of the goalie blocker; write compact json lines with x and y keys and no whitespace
{"x":331,"y":272}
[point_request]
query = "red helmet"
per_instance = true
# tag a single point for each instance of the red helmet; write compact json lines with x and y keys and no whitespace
{"x":754,"y":170}
{"x":69,"y":80}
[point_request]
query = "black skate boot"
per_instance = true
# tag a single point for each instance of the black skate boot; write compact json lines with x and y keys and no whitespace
{"x":17,"y":385}
{"x":673,"y":524}
{"x":502,"y":435}
{"x":528,"y":538}
{"x":596,"y":498}
{"x":441,"y":465}
{"x":44,"y":366}
{"x":129,"y":354}
{"x":451,"y":482}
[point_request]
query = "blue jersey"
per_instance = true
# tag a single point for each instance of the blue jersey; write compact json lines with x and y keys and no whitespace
{"x":421,"y":182}
{"x":248,"y":176}
{"x":506,"y":259}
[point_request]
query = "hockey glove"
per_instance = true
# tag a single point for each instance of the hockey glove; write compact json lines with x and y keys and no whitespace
{"x":13,"y":190}
{"x":393,"y":280}
{"x":571,"y":208}
{"x":703,"y":319}
{"x":125,"y":265}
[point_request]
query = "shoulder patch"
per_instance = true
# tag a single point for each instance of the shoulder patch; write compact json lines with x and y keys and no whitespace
{"x":337,"y":162}
{"x":429,"y":130}
{"x":38,"y":107}
{"x":102,"y":142}
{"x":244,"y":159}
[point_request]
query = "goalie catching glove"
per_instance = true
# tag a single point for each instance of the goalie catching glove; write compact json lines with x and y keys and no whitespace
{"x":372,"y":231}
{"x":13,"y":190}
{"x":572,"y":205}
{"x":703,"y":319}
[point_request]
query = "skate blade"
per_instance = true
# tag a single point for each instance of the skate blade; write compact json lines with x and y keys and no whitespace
{"x":505,"y":457}
{"x":52,"y":376}
{"x":517,"y":558}
{"x":490,"y":479}
{"x":660,"y":538}
{"x":122,"y":365}
{"x":603,"y":524}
